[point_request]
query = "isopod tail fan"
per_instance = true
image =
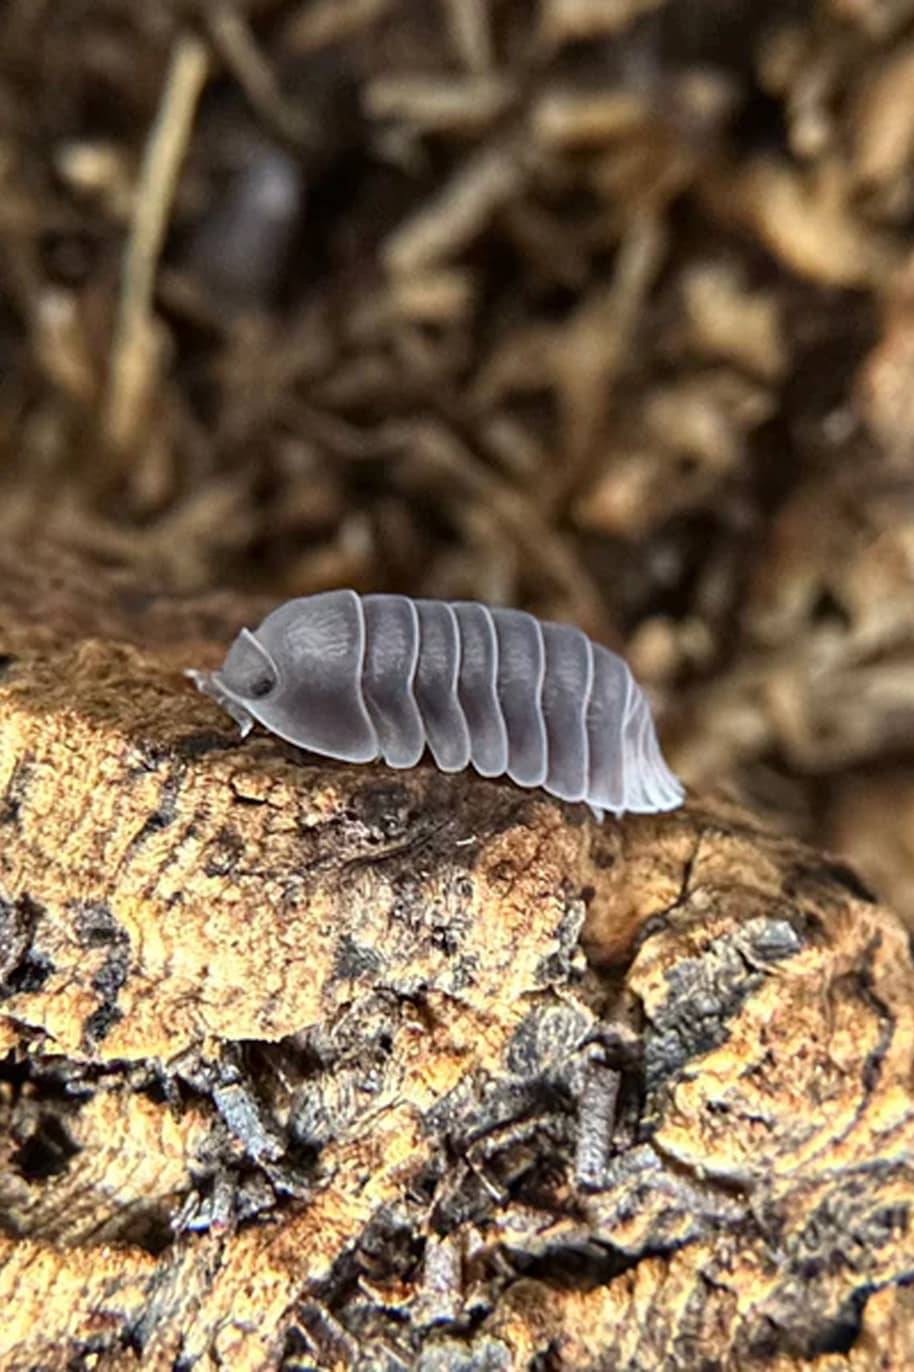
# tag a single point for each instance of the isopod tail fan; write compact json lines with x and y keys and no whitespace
{"x":654,"y":786}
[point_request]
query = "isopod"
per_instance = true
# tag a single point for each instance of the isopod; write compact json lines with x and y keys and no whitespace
{"x":385,"y":676}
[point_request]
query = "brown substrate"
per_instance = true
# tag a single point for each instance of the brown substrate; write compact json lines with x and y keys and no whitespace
{"x":320,"y":1066}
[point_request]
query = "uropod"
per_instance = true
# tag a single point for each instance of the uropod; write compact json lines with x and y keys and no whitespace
{"x":359,"y":678}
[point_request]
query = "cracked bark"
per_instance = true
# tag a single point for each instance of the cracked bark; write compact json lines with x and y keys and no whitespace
{"x":318,"y":1066}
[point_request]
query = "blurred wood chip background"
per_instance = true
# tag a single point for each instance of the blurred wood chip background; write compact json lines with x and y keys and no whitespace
{"x":601,"y":308}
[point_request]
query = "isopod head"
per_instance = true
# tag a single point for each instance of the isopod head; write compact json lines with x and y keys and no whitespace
{"x":297,"y":674}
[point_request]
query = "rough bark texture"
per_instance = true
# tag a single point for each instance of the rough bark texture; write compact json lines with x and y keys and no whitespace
{"x":313,"y":1066}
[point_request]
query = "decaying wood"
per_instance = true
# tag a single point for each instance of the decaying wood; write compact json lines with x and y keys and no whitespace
{"x":313,"y":1066}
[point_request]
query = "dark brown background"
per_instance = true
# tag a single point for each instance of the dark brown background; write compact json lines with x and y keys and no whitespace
{"x":601,"y":309}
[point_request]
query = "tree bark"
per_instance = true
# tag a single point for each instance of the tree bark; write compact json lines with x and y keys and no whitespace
{"x":316,"y":1066}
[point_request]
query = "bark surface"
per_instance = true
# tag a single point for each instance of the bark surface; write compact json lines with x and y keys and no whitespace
{"x":315,"y":1066}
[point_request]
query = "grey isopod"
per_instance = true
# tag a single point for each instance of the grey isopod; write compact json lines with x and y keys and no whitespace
{"x":383,"y":676}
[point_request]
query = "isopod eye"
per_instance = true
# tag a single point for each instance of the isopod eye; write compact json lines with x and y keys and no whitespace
{"x":248,"y":671}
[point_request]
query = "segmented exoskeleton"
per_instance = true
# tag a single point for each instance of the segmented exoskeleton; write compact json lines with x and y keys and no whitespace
{"x":384,"y":676}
